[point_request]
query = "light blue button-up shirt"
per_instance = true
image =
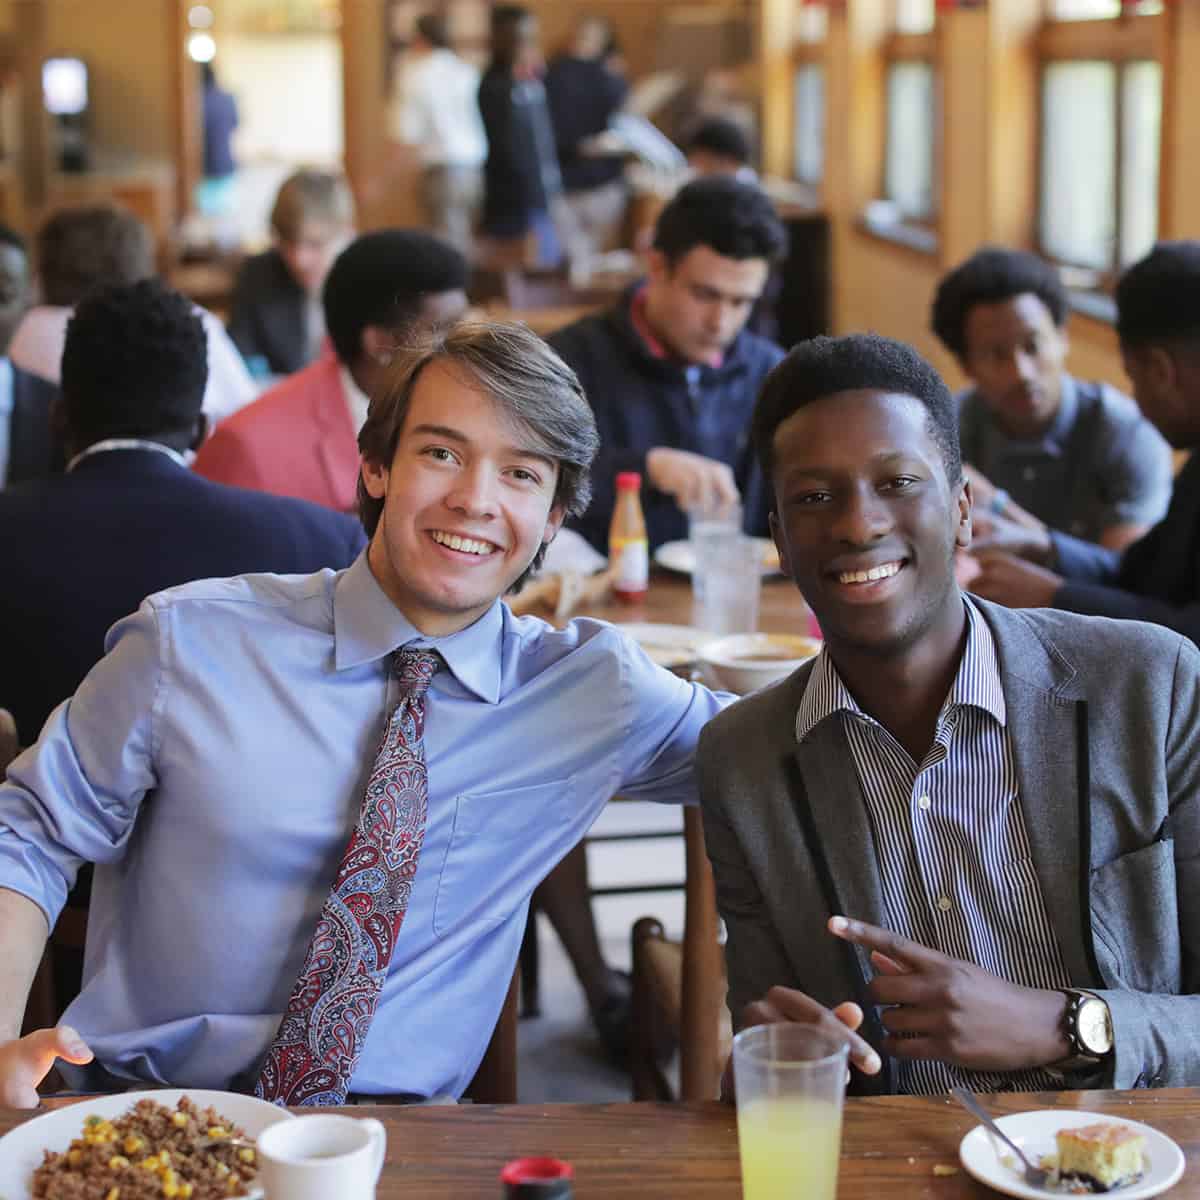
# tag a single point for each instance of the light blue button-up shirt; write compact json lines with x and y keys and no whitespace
{"x":212,"y":765}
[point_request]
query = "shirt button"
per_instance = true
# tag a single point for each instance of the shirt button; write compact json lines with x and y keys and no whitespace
{"x":945,"y":903}
{"x":1029,"y":474}
{"x":924,"y":802}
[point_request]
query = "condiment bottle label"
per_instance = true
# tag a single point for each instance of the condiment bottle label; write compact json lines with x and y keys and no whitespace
{"x":631,"y":557}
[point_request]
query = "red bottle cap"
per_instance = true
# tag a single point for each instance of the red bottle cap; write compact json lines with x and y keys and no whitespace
{"x":537,"y":1179}
{"x":629,"y":480}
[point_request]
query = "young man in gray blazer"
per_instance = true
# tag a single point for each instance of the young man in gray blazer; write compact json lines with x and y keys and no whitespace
{"x":971,"y":833}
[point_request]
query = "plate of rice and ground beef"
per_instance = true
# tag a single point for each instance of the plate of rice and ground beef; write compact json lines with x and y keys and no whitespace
{"x":174,"y":1144}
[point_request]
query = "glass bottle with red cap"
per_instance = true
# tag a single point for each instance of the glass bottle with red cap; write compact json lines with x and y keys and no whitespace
{"x":628,"y":547}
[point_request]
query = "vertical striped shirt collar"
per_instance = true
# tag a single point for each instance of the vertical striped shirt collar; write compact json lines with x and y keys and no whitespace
{"x":977,"y":683}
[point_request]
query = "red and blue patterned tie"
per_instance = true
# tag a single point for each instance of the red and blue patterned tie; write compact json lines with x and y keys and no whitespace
{"x":316,"y":1049}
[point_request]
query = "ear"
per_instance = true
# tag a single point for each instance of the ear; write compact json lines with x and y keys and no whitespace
{"x":553,"y":524}
{"x":377,"y":345}
{"x":375,"y":478}
{"x":777,"y":537}
{"x":1162,"y":369}
{"x":200,"y":432}
{"x":966,"y":502}
{"x":657,"y":267}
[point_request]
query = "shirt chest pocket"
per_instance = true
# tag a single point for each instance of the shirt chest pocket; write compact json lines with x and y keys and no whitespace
{"x":501,"y":847}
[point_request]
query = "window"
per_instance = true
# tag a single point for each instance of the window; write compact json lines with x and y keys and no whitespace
{"x":1100,"y":139}
{"x":811,"y":24}
{"x":808,"y":123}
{"x":910,"y":158}
{"x":1087,"y":10}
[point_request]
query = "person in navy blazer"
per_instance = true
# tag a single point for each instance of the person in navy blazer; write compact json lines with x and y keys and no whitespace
{"x":128,"y":518}
{"x":28,"y":449}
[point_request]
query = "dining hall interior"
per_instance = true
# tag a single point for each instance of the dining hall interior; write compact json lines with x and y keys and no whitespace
{"x":737,"y":247}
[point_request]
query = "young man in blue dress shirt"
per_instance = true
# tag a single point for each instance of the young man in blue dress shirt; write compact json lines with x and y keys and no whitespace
{"x":213,"y":763}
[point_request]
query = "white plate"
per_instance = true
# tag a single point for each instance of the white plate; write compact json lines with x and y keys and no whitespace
{"x":982,"y":1154}
{"x":667,"y":645}
{"x":21,"y":1149}
{"x":678,"y":556}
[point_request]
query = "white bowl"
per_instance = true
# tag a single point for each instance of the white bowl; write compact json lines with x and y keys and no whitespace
{"x":747,"y":661}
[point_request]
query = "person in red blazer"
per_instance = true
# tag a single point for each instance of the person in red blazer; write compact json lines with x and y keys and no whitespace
{"x":300,"y":438}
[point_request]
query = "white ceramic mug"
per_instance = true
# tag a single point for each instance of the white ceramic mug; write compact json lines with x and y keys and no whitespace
{"x":320,"y":1157}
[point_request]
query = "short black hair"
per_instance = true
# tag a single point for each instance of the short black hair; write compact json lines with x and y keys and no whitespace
{"x":381,"y":279}
{"x":10,"y":237}
{"x":134,"y":363}
{"x":735,"y":219}
{"x":824,"y":366}
{"x":1158,"y":298}
{"x":990,"y":276}
{"x":720,"y":135}
{"x":432,"y":27}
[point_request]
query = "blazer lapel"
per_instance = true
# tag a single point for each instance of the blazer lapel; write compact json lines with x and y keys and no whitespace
{"x":842,"y":844}
{"x":1045,"y":739}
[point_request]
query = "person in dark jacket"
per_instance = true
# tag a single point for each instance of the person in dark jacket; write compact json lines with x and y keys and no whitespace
{"x":28,"y":449}
{"x":584,"y":92}
{"x":522,"y":183}
{"x":275,"y":317}
{"x":129,"y":518}
{"x":1157,"y":578}
{"x":671,"y":372}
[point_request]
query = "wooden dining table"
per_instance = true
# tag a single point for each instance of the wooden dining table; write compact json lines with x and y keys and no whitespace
{"x":899,"y":1147}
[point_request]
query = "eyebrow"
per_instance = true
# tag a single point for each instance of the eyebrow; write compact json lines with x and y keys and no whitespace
{"x":879,"y":460}
{"x":450,"y":434}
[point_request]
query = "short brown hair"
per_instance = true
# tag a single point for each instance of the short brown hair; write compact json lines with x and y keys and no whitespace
{"x":79,"y":249}
{"x":311,"y":195}
{"x":525,"y":378}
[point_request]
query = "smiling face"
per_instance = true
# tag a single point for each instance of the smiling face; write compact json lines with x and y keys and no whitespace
{"x":1015,"y":355}
{"x":467,"y":505}
{"x":866,"y":522}
{"x":701,"y":303}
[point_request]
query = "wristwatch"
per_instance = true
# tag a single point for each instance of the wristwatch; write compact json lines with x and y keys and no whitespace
{"x":1087,"y":1026}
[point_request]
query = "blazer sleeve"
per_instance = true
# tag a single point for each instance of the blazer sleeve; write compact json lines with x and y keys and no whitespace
{"x":1157,"y":1040}
{"x":754,"y":956}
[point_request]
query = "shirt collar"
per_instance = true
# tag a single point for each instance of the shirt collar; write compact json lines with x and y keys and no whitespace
{"x":367,"y":626}
{"x":111,"y":444}
{"x":357,"y":401}
{"x":1068,"y":406}
{"x":976,"y":683}
{"x":641,"y":326}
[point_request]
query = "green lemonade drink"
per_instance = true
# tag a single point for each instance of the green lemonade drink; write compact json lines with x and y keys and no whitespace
{"x":789,"y":1148}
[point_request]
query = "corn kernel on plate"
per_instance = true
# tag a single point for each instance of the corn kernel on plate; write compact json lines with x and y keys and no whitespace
{"x":23,"y":1150}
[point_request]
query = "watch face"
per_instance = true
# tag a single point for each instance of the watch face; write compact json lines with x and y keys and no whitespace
{"x":1095,"y":1026}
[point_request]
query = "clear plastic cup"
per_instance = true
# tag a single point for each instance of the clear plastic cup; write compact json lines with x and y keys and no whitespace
{"x":790,"y":1082}
{"x":726,"y":584}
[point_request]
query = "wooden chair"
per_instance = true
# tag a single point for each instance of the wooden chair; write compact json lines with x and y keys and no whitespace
{"x":683,"y":986}
{"x":495,"y":1082}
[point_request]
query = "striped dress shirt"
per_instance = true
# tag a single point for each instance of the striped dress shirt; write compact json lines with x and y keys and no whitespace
{"x":953,"y":852}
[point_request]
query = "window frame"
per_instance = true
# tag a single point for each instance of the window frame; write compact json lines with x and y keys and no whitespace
{"x":1120,"y":41}
{"x":921,"y":48}
{"x":811,"y":54}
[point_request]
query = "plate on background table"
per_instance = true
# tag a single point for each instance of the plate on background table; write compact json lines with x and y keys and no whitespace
{"x":21,"y":1148}
{"x":984,"y":1156}
{"x":679,"y":556}
{"x":667,"y":645}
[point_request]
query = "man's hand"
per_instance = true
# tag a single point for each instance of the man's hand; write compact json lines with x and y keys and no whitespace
{"x":26,"y":1062}
{"x":1014,"y":582}
{"x":990,"y":532}
{"x":781,"y":1005}
{"x":694,"y":481}
{"x":955,"y":1012}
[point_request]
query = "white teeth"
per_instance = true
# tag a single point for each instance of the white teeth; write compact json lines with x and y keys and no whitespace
{"x":873,"y":575}
{"x":466,"y":545}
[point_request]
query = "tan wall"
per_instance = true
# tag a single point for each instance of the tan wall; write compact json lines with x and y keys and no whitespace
{"x":126,"y":49}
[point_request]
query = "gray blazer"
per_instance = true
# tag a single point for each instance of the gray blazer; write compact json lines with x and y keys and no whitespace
{"x":1104,"y":717}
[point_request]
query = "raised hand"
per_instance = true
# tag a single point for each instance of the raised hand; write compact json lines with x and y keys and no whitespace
{"x":937,"y":1007}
